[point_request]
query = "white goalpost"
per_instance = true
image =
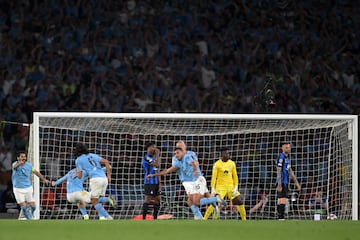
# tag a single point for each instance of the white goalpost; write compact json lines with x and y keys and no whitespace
{"x":324,"y":158}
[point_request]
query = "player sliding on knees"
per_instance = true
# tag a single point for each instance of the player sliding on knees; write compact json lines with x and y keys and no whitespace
{"x":187,"y":165}
{"x":224,"y":181}
{"x":90,"y":164}
{"x":22,"y":187}
{"x":77,"y":194}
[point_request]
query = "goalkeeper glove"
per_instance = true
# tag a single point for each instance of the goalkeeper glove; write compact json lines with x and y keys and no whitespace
{"x":235,"y":190}
{"x":53,"y":183}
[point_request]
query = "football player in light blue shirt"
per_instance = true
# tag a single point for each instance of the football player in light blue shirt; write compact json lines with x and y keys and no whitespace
{"x":90,"y":164}
{"x":22,"y":186}
{"x":76,"y":193}
{"x":187,"y":165}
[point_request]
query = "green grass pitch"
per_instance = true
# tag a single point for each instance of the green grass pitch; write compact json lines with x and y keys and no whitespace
{"x":178,"y":230}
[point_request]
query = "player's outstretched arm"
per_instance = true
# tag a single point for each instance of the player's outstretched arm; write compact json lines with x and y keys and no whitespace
{"x":163,"y":172}
{"x":18,"y":164}
{"x":59,"y":181}
{"x":39,"y":175}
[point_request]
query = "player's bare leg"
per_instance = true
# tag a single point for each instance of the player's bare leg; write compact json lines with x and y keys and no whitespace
{"x":240,"y":207}
{"x":82,"y":207}
{"x":191,"y":201}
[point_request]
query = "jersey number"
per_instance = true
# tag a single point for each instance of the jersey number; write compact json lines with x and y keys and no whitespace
{"x":92,"y":162}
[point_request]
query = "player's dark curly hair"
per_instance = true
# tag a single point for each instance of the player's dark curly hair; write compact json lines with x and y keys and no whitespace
{"x":80,"y":149}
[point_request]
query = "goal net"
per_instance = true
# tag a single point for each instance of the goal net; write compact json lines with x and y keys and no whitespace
{"x":323,"y":157}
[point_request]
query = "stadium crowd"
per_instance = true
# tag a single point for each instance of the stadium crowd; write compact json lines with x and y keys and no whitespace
{"x":174,"y":56}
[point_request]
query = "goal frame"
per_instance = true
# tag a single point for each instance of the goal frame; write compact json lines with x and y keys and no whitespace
{"x":198,"y":116}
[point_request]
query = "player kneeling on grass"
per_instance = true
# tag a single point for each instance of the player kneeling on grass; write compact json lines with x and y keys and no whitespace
{"x":224,"y":181}
{"x":90,"y":164}
{"x":77,"y":194}
{"x":187,"y":166}
{"x":22,"y":187}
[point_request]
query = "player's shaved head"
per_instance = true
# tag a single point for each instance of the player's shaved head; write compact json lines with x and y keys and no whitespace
{"x":181,"y":144}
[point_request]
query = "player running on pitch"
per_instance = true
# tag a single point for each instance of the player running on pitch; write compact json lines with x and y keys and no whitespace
{"x":22,"y":187}
{"x":284,"y":172}
{"x":77,"y":194}
{"x":224,"y":181}
{"x":187,"y":166}
{"x":90,"y":164}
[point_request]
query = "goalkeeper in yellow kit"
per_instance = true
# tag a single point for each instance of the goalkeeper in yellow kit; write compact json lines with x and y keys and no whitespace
{"x":224,"y":182}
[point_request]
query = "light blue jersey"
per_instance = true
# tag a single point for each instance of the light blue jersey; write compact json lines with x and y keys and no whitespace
{"x":21,"y":176}
{"x":186,"y":173}
{"x":90,"y":163}
{"x":73,"y":183}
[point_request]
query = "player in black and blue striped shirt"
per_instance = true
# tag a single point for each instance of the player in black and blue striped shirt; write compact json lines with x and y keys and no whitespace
{"x":284,"y":172}
{"x":152,"y":185}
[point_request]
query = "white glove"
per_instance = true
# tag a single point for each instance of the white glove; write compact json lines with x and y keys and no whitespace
{"x":53,"y":183}
{"x":235,"y":190}
{"x":213,"y":192}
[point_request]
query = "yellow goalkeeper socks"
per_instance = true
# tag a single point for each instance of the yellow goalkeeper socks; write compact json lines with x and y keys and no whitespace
{"x":208,"y":212}
{"x":241,"y":209}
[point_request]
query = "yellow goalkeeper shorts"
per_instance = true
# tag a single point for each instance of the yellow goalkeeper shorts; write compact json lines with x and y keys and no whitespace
{"x":227,"y":193}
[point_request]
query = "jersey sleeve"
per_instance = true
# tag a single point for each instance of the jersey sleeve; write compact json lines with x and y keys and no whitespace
{"x":145,"y":163}
{"x":175,"y":162}
{"x":78,"y":164}
{"x":280,"y":160}
{"x":85,"y":175}
{"x":13,"y":165}
{"x":61,"y":180}
{"x":235,"y":175}
{"x":194,"y":156}
{"x":214,"y":176}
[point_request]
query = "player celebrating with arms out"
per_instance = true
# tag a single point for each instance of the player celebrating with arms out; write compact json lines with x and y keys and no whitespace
{"x":224,"y":181}
{"x":152,"y":185}
{"x":22,"y":187}
{"x":90,"y":164}
{"x":187,"y":166}
{"x":284,"y":172}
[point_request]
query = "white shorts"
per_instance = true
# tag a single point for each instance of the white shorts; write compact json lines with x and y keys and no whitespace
{"x":197,"y":187}
{"x":98,"y":187}
{"x":24,"y":195}
{"x":80,"y":196}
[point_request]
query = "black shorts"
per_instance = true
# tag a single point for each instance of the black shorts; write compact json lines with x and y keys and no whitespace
{"x":284,"y":192}
{"x":151,"y":190}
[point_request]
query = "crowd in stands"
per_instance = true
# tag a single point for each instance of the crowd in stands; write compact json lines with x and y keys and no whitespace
{"x":174,"y":56}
